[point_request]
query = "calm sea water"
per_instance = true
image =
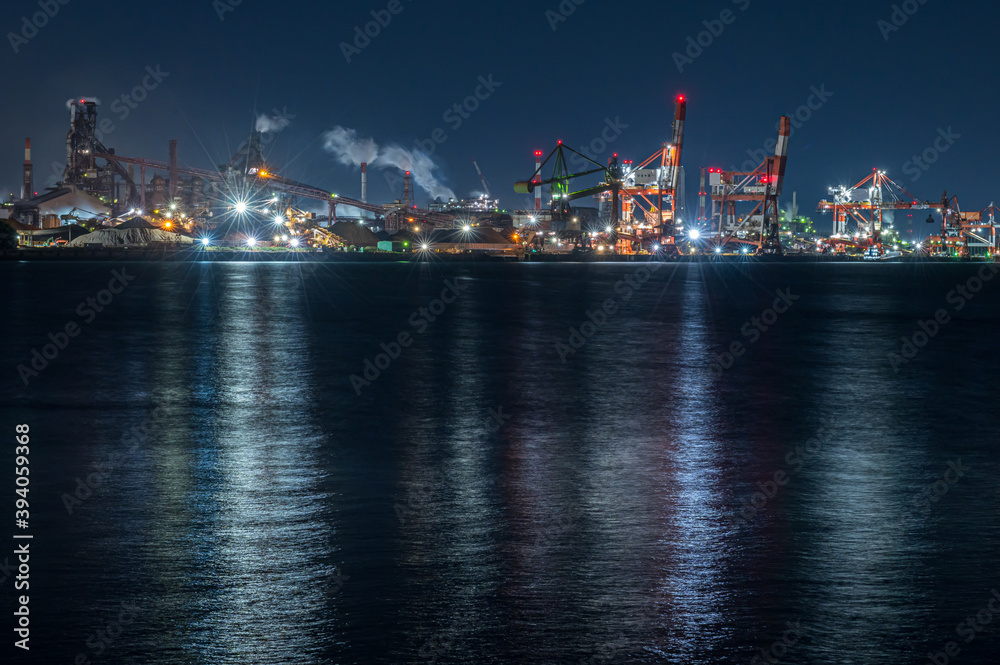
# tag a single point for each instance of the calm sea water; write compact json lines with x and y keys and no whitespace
{"x":209,"y":485}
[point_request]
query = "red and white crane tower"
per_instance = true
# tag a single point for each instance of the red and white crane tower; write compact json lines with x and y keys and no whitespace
{"x":653,"y":191}
{"x":762,"y":187}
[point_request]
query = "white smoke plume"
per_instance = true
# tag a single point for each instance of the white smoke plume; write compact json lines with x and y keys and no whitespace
{"x":420,"y":165}
{"x":272,"y":123}
{"x":351,"y":150}
{"x":348,"y":148}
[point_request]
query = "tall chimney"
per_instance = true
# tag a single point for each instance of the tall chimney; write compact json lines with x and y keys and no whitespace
{"x":364,"y":182}
{"x":173,"y":170}
{"x":27,"y":186}
{"x":408,"y":191}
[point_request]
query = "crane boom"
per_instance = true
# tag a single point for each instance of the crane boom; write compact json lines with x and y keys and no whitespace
{"x":482,"y":178}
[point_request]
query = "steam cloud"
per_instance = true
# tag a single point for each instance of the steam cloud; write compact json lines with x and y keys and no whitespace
{"x":348,"y":148}
{"x":351,"y":150}
{"x":272,"y":123}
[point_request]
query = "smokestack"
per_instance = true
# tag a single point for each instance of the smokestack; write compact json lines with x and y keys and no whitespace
{"x":364,"y":182}
{"x":27,"y":186}
{"x":408,"y":191}
{"x":538,"y":180}
{"x":173,"y":170}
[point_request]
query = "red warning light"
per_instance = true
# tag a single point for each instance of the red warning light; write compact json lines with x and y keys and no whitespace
{"x":560,"y":142}
{"x":680,"y":98}
{"x":81,"y":101}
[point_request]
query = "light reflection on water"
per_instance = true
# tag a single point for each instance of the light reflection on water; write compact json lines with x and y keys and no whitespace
{"x":273,"y":516}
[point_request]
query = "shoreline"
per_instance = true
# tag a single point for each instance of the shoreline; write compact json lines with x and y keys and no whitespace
{"x":202,"y":256}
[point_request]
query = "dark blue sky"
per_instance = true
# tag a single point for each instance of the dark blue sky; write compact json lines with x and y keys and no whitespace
{"x":890,"y":97}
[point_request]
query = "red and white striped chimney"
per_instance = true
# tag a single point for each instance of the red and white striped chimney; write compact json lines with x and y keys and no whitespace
{"x":364,"y":182}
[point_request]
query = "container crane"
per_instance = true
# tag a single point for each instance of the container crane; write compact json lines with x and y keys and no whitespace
{"x":867,"y":204}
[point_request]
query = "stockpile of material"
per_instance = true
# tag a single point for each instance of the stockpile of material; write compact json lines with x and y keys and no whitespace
{"x":354,"y":234}
{"x":129,"y":237}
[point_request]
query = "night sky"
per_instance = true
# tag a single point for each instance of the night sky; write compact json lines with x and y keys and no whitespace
{"x":891,"y":92}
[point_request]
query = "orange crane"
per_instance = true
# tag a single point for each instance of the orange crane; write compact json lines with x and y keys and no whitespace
{"x":866,"y":203}
{"x":964,"y":234}
{"x":653,"y":191}
{"x":760,"y":226}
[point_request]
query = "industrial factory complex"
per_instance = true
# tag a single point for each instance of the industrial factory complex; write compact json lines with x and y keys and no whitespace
{"x":106,"y":200}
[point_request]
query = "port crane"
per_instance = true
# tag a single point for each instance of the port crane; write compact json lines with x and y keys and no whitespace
{"x":760,"y":227}
{"x":963,"y":234}
{"x":867,"y":204}
{"x":640,"y":198}
{"x":559,"y":182}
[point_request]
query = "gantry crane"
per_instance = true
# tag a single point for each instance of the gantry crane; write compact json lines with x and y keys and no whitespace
{"x":626,"y":187}
{"x":760,"y":226}
{"x":867,"y":203}
{"x":963,"y":234}
{"x":559,"y":183}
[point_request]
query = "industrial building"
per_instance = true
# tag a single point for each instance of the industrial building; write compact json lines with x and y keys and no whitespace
{"x":244,"y":201}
